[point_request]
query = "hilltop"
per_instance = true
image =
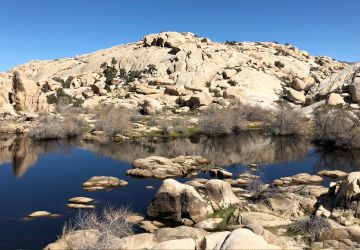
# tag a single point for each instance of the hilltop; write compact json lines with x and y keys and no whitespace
{"x":170,"y":71}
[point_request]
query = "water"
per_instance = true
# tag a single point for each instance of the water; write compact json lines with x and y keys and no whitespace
{"x":42,"y":176}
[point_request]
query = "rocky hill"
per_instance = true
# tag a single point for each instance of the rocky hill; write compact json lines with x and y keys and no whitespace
{"x":180,"y":71}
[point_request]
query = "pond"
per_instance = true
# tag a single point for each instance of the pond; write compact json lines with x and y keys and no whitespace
{"x":44,"y":175}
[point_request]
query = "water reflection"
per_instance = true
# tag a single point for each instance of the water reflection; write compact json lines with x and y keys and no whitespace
{"x":23,"y":153}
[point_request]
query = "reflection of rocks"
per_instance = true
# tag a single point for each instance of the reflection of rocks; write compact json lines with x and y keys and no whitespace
{"x":244,"y":149}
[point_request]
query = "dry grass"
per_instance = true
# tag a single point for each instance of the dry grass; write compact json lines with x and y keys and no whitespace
{"x":110,"y":225}
{"x":55,"y":127}
{"x":313,"y":226}
{"x":114,"y":120}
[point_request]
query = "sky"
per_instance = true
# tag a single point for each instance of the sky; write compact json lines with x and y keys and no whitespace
{"x":51,"y":29}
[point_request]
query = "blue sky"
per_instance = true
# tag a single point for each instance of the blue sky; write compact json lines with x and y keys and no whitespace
{"x":50,"y":29}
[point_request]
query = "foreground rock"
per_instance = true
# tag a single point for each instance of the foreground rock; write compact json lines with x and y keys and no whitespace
{"x":178,"y":201}
{"x":103,"y":182}
{"x":181,"y":202}
{"x":161,"y":167}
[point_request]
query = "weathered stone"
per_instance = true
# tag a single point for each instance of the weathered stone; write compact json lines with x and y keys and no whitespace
{"x":333,"y":173}
{"x":138,"y":241}
{"x":202,"y":99}
{"x":263,"y":219}
{"x":209,"y":224}
{"x":249,"y":240}
{"x":182,"y":232}
{"x":296,"y":96}
{"x":335,"y":99}
{"x":186,"y":244}
{"x":298,"y":179}
{"x":177,"y":201}
{"x":228,"y":73}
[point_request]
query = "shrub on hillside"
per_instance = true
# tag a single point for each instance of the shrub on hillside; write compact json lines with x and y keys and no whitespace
{"x":215,"y":120}
{"x":54,"y":127}
{"x":279,"y":64}
{"x":114,"y":120}
{"x":290,"y":122}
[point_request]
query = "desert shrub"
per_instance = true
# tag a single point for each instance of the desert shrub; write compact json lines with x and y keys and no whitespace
{"x":314,"y":226}
{"x":337,"y":127}
{"x":232,"y":82}
{"x":51,"y":99}
{"x":67,"y":83}
{"x":114,"y":61}
{"x":151,"y":69}
{"x":53,"y":127}
{"x":279,"y":64}
{"x":114,"y":119}
{"x":45,"y":88}
{"x":215,"y":121}
{"x":110,"y":74}
{"x":290,"y":122}
{"x":109,"y":223}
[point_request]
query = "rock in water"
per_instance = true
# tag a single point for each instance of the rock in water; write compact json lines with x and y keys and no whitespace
{"x":101,"y":182}
{"x":161,"y":167}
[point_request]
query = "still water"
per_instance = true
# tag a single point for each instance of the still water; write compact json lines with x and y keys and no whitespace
{"x":43,"y":175}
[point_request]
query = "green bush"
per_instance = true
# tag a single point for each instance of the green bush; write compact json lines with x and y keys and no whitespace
{"x":52,"y":99}
{"x":279,"y":64}
{"x":110,"y":73}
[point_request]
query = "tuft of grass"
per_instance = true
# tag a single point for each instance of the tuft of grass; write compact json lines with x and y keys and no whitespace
{"x":225,"y":214}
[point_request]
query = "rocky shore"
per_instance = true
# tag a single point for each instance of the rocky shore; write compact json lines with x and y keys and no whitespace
{"x":294,"y":212}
